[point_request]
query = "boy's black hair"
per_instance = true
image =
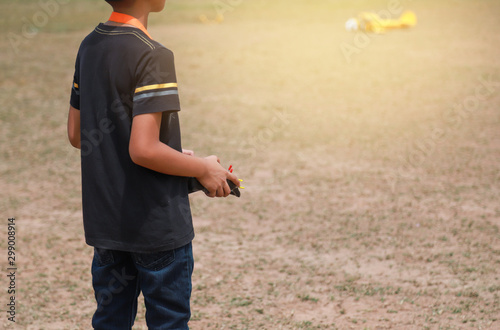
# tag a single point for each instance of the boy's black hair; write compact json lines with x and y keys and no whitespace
{"x":112,"y":3}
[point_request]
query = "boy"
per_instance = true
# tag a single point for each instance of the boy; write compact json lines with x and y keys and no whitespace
{"x":124,"y":117}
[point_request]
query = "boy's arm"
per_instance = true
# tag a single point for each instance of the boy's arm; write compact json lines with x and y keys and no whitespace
{"x":74,"y":127}
{"x":147,"y":150}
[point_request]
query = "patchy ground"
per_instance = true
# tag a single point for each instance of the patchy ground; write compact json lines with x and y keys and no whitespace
{"x":370,"y":165}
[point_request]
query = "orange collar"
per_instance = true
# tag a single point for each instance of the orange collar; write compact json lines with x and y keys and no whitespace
{"x":127,"y":19}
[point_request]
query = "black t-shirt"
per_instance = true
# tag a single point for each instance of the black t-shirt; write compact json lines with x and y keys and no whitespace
{"x":121,"y":73}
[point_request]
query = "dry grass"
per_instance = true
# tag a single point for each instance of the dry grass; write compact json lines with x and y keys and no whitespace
{"x":372,"y":200}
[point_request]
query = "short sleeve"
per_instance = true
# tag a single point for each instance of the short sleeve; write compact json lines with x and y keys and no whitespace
{"x":75,"y":90}
{"x":156,"y":87}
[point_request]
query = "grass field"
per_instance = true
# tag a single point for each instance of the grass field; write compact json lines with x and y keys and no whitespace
{"x":371,"y":164}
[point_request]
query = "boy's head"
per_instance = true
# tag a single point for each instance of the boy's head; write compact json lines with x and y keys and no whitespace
{"x":152,"y":5}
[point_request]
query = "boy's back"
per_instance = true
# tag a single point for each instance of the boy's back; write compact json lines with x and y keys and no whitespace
{"x":121,"y":73}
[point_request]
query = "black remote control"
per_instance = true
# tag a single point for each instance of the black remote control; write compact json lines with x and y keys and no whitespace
{"x":194,"y":185}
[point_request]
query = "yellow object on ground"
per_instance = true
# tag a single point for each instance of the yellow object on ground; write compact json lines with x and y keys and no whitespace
{"x":371,"y":22}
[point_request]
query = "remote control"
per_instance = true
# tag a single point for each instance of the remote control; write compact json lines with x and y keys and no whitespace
{"x":194,"y":185}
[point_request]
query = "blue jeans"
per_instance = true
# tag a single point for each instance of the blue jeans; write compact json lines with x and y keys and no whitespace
{"x":163,"y":277}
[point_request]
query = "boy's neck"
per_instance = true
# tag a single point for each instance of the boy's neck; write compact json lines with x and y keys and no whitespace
{"x":139,"y":12}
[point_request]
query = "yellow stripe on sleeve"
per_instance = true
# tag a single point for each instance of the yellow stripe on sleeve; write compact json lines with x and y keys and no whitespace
{"x":156,"y":86}
{"x":75,"y":84}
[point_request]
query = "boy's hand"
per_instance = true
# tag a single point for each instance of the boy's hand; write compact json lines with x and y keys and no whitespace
{"x":188,"y":152}
{"x":214,"y":179}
